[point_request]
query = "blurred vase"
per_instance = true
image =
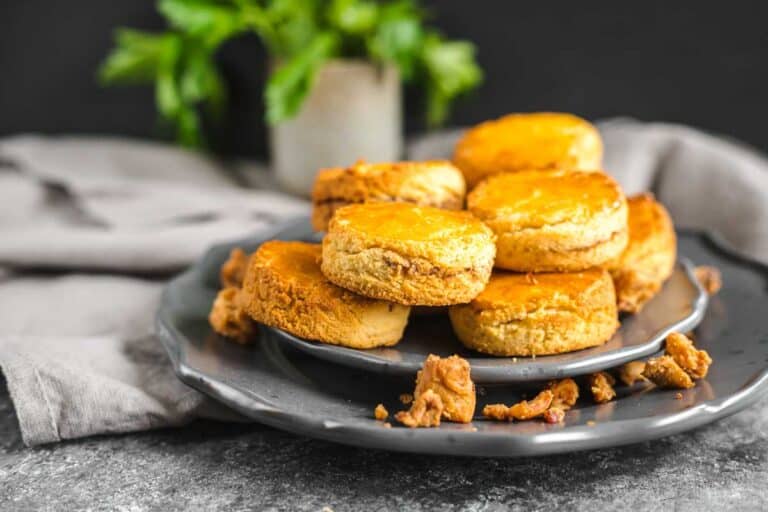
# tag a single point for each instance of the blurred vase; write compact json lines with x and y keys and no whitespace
{"x":353,"y":112}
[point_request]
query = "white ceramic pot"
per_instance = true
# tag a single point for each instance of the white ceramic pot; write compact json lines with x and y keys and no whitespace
{"x":353,"y":112}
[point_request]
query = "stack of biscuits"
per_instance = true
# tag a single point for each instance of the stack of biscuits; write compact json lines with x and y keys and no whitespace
{"x":531,"y":246}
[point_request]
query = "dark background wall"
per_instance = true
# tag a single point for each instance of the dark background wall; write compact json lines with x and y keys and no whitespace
{"x":700,"y":63}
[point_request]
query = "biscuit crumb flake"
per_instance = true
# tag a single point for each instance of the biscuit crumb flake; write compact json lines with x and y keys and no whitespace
{"x":554,"y":415}
{"x":228,"y":318}
{"x":710,"y":278}
{"x":406,"y":398}
{"x":380,"y":413}
{"x":565,"y":393}
{"x":521,"y":411}
{"x":449,"y":377}
{"x":601,"y":385}
{"x":694,"y":362}
{"x":632,"y":372}
{"x":233,"y":270}
{"x":426,"y":411}
{"x":666,"y":373}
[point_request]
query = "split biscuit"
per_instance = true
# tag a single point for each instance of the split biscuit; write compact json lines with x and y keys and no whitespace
{"x":516,"y":142}
{"x":284,"y":288}
{"x":432,"y":183}
{"x":408,"y":254}
{"x":649,"y":258}
{"x":552,"y":221}
{"x":531,"y":315}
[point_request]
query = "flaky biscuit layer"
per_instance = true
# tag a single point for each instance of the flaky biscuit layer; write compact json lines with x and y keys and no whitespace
{"x":540,"y":140}
{"x":526,"y":315}
{"x":548,"y":221}
{"x":408,"y":254}
{"x":649,"y":258}
{"x":430,"y":183}
{"x":284,"y":288}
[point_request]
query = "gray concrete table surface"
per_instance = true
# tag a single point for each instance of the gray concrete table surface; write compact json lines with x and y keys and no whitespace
{"x":209,"y":465}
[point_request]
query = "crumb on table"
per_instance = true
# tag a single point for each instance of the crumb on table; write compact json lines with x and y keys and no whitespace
{"x":565,"y":393}
{"x":632,"y":372}
{"x":521,"y":411}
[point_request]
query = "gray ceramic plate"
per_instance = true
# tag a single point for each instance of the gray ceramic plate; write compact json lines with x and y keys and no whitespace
{"x":678,"y":307}
{"x":284,"y":388}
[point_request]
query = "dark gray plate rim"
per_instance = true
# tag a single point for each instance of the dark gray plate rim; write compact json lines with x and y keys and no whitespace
{"x":522,"y":369}
{"x":456,"y":439}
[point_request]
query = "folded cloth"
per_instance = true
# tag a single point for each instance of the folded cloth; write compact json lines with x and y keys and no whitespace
{"x":91,"y":227}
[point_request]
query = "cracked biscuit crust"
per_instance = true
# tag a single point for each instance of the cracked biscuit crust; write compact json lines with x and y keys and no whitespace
{"x":552,"y":221}
{"x":284,"y":288}
{"x":408,"y":254}
{"x":542,"y":140}
{"x":555,"y":313}
{"x":432,"y":183}
{"x":649,"y":258}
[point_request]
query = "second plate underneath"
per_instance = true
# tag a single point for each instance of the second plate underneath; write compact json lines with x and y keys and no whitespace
{"x":679,"y":306}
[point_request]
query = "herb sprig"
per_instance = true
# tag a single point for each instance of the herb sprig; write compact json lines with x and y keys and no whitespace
{"x":299,"y":34}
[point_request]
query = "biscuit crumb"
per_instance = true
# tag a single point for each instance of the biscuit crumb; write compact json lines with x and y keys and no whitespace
{"x":406,"y":398}
{"x":632,"y":372}
{"x":666,"y":373}
{"x":521,"y":411}
{"x":233,"y":270}
{"x":601,"y":385}
{"x":565,"y":393}
{"x":380,"y":413}
{"x":591,"y":423}
{"x":449,"y":377}
{"x":694,"y":362}
{"x":498,"y":412}
{"x":709,"y":277}
{"x":678,"y":396}
{"x":228,"y":318}
{"x":425,"y":411}
{"x":554,"y":415}
{"x":387,"y":424}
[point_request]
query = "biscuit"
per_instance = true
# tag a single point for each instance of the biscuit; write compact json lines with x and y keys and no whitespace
{"x":529,"y":315}
{"x":552,"y":221}
{"x":432,"y":183}
{"x":408,"y":254}
{"x":649,"y":258}
{"x":542,"y":140}
{"x":228,"y":318}
{"x":284,"y":288}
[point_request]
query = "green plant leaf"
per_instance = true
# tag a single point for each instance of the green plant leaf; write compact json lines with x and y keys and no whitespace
{"x":210,"y":21}
{"x":291,"y":82}
{"x":294,"y":24}
{"x":167,"y":93}
{"x":356,"y":17}
{"x":188,"y":130}
{"x":135,"y":58}
{"x":398,"y":37}
{"x":451,"y":70}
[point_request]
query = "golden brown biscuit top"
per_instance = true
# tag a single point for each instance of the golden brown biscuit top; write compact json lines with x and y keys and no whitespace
{"x":527,"y":292}
{"x":541,"y":140}
{"x":387,"y":180}
{"x":406,"y":221}
{"x":536,"y":198}
{"x":299,"y":261}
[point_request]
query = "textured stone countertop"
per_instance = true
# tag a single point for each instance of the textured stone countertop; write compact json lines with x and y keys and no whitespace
{"x":209,"y":465}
